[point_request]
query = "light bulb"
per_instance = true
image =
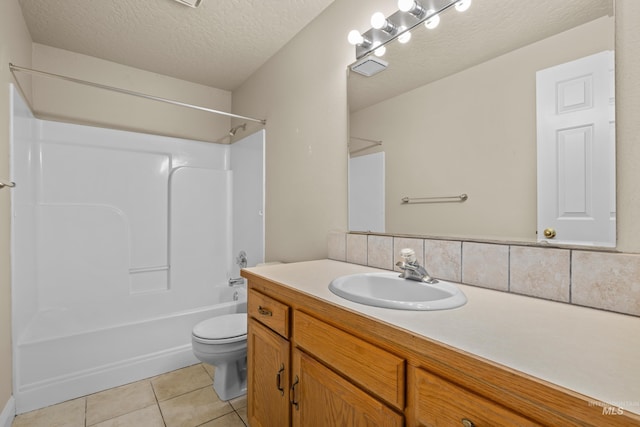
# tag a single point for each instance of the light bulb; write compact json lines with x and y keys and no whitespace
{"x":432,"y":22}
{"x":406,"y":5}
{"x":411,"y":6}
{"x":463,"y":5}
{"x":379,"y":51}
{"x":404,"y":37}
{"x":355,"y":37}
{"x":378,"y":20}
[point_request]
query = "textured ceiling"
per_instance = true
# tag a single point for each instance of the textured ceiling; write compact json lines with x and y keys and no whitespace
{"x":219,"y":44}
{"x":488,"y":29}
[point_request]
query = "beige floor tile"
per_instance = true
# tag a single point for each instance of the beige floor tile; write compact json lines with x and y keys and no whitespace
{"x":239,"y":402}
{"x":230,"y":420}
{"x":194,"y":408}
{"x":243,"y":414}
{"x":210,"y":369}
{"x":65,"y":414}
{"x":179,"y":382}
{"x":147,"y":417}
{"x":119,"y":401}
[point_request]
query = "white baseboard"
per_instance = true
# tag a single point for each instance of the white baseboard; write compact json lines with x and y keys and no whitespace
{"x":8,"y":413}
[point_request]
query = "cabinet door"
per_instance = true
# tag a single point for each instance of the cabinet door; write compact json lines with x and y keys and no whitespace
{"x":322,"y":398}
{"x":268,"y":382}
{"x":373,"y":369}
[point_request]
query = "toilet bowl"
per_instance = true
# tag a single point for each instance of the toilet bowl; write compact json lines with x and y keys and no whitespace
{"x":222,"y":341}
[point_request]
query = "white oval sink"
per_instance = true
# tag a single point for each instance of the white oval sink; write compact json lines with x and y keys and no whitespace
{"x":387,"y":290}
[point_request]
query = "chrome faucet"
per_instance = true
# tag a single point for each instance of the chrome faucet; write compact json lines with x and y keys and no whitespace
{"x":411,"y":269}
{"x":236,"y":281}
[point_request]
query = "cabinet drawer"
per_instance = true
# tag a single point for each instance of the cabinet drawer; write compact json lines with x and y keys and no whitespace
{"x":269,"y":312}
{"x":438,"y":402}
{"x":375,"y":370}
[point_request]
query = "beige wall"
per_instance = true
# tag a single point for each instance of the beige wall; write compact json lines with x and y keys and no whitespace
{"x":15,"y":47}
{"x":302,"y":93}
{"x":60,"y":100}
{"x":473,"y":132}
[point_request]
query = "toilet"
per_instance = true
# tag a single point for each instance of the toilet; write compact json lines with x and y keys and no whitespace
{"x":222,"y":341}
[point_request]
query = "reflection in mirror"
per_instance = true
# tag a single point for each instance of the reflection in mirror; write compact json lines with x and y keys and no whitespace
{"x":456,"y":113}
{"x":575,"y":104}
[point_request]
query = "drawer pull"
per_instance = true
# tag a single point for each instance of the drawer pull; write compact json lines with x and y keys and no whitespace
{"x":279,"y":380}
{"x":264,"y":311}
{"x":292,"y":394}
{"x":467,"y":422}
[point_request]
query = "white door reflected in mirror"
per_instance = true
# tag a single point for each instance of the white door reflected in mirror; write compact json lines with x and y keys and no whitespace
{"x":576,"y":151}
{"x":366,"y":193}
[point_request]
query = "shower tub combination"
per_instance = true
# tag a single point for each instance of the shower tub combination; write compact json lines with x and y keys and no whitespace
{"x":122,"y":242}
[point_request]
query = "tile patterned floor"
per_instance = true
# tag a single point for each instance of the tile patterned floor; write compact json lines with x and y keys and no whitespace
{"x":181,"y":398}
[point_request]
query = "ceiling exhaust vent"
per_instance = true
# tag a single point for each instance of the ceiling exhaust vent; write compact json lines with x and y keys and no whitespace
{"x":369,"y":66}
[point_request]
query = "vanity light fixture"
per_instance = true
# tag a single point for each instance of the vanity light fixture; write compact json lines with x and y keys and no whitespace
{"x":411,"y":13}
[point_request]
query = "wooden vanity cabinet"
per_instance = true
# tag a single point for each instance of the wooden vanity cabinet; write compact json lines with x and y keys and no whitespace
{"x":268,"y":362}
{"x":313,"y":363}
{"x":333,"y":378}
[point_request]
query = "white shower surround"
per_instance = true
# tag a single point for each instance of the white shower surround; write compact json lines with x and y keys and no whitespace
{"x":118,"y":251}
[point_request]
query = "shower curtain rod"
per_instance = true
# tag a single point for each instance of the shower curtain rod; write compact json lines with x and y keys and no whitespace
{"x":128,"y":92}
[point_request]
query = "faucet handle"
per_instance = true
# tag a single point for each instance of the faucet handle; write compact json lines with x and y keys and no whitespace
{"x":409,"y":255}
{"x":241,"y":259}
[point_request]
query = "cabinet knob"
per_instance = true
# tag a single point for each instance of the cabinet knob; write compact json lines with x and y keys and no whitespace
{"x":467,"y":422}
{"x":549,"y":233}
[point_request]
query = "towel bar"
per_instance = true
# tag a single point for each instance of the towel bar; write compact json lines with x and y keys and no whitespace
{"x":444,"y":199}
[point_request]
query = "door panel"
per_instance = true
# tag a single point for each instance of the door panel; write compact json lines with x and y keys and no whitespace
{"x":268,"y":382}
{"x":322,"y":398}
{"x":576,"y":151}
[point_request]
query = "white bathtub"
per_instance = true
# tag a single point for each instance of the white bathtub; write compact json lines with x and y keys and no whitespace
{"x":54,"y":368}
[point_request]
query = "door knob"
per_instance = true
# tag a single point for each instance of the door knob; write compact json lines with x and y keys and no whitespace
{"x":549,"y":233}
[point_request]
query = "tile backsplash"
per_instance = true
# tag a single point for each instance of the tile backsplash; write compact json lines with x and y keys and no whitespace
{"x":602,"y":280}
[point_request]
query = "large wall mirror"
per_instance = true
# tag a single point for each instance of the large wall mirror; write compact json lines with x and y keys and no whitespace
{"x":457,"y":112}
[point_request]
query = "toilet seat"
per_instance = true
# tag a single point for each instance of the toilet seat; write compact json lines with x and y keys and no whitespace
{"x":223,"y":329}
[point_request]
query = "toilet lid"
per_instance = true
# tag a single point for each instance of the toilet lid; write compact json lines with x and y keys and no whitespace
{"x":221,"y":327}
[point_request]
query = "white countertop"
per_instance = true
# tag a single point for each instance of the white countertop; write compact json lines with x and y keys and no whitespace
{"x":592,"y":352}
